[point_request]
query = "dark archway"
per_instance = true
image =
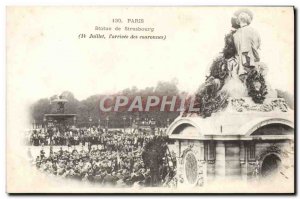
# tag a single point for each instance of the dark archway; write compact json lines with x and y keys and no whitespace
{"x":274,"y":129}
{"x":270,"y":165}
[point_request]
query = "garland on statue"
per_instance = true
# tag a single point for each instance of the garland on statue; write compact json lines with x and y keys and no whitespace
{"x":209,"y":97}
{"x":256,"y":86}
{"x":229,"y":50}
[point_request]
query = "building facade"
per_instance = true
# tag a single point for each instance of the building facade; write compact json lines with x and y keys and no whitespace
{"x":246,"y":141}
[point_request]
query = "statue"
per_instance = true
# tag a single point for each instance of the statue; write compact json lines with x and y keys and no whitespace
{"x":249,"y":69}
{"x":245,"y":64}
{"x":247,"y":43}
{"x":237,"y":71}
{"x":60,"y":102}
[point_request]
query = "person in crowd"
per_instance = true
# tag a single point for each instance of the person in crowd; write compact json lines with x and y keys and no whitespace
{"x":89,"y":154}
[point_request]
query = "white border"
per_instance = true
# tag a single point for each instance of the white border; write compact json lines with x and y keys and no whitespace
{"x":4,"y":3}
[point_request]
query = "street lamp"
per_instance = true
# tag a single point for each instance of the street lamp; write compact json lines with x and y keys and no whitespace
{"x":44,"y":120}
{"x":138,"y":123}
{"x":33,"y":124}
{"x":124,"y":119}
{"x":74,"y":120}
{"x":90,"y":121}
{"x":107,"y":119}
{"x":130,"y":124}
{"x":152,"y":125}
{"x":99,"y":123}
{"x":168,"y":122}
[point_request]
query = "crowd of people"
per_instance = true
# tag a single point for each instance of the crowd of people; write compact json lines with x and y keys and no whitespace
{"x":111,"y":158}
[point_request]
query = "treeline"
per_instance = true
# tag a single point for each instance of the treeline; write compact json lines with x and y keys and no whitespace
{"x":88,"y":111}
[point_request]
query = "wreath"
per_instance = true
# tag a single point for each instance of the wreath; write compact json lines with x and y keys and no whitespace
{"x":209,"y":105}
{"x":256,"y":85}
{"x":219,"y":69}
{"x":210,"y":98}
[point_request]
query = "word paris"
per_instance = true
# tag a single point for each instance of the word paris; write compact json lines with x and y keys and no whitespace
{"x":147,"y":103}
{"x":118,"y":20}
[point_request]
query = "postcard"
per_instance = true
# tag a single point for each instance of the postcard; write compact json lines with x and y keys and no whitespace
{"x":150,"y":99}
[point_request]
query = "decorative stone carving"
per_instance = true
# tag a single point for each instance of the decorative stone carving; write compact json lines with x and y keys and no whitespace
{"x":241,"y":105}
{"x":271,"y":149}
{"x":190,"y":167}
{"x":184,"y":152}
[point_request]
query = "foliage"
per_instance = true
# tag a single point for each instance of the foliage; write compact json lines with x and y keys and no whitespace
{"x":89,"y":107}
{"x":209,"y":97}
{"x":38,"y":109}
{"x":256,"y":86}
{"x":229,"y":49}
{"x":155,"y":156}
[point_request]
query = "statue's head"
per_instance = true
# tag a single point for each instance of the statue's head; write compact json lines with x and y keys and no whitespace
{"x":234,"y":22}
{"x":243,"y":16}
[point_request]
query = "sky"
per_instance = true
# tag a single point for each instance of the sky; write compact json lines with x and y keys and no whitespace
{"x":45,"y":56}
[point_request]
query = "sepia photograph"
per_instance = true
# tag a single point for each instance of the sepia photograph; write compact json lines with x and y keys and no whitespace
{"x":139,"y":100}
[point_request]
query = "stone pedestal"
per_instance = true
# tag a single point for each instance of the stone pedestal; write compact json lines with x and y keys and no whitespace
{"x":220,"y":162}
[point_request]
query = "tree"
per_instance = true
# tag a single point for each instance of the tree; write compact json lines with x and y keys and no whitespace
{"x":154,"y":157}
{"x":39,"y":108}
{"x":89,"y":107}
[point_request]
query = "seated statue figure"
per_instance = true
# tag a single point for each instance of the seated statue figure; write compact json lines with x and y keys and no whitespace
{"x":237,"y":72}
{"x":250,"y":70}
{"x":247,"y":43}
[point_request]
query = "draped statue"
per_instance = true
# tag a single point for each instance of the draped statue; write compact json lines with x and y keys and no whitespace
{"x":237,"y":71}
